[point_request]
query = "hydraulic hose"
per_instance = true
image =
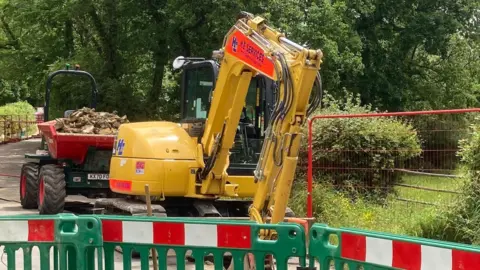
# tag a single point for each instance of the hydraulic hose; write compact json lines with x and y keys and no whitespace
{"x":317,"y":95}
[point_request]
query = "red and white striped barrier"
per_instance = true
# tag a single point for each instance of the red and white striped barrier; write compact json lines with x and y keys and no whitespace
{"x":17,"y":231}
{"x":405,"y":255}
{"x":178,"y":234}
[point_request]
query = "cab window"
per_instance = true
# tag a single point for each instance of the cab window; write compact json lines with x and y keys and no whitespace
{"x":198,"y":89}
{"x":199,"y":85}
{"x":251,"y":100}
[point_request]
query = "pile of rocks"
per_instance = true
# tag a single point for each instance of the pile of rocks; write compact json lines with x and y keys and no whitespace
{"x":88,"y":121}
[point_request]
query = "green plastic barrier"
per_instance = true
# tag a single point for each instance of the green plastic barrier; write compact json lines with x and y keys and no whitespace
{"x":371,"y":250}
{"x":203,"y":237}
{"x":73,"y":239}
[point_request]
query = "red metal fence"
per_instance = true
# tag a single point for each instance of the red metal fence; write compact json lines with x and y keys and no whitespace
{"x":412,"y":154}
{"x":17,"y":127}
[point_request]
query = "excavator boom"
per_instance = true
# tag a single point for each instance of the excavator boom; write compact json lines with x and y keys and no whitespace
{"x":251,"y":47}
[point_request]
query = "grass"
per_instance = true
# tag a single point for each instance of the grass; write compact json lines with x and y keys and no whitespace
{"x":429,"y":196}
{"x":395,"y":216}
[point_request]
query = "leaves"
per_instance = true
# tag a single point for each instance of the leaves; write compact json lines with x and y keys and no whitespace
{"x":361,"y":152}
{"x":460,"y":223}
{"x":399,"y":55}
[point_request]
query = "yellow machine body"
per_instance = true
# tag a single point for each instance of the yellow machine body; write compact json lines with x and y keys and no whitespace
{"x":150,"y":153}
{"x":164,"y":156}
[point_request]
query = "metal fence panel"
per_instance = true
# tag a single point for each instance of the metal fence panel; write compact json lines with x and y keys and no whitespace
{"x":14,"y":128}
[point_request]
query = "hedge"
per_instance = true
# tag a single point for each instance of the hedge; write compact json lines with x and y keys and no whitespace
{"x":369,"y":147}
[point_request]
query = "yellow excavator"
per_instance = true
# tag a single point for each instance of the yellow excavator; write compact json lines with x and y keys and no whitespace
{"x":239,"y":138}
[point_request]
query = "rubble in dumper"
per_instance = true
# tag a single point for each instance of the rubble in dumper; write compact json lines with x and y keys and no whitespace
{"x":88,"y":121}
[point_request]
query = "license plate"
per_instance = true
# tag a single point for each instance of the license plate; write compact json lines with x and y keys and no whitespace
{"x":97,"y":176}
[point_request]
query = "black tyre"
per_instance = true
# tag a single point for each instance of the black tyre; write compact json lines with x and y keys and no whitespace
{"x":51,"y":190}
{"x":29,"y":185}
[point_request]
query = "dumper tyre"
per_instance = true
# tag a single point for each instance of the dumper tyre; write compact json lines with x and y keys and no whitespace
{"x":51,"y":190}
{"x":29,"y":186}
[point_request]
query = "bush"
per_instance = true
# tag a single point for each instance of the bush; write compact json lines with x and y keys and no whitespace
{"x":441,"y":132}
{"x":461,"y":222}
{"x":18,"y":108}
{"x":13,"y":118}
{"x":368,"y":147}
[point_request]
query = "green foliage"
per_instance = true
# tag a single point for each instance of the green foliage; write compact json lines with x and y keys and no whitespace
{"x":413,"y":52}
{"x":398,"y":55}
{"x":367,"y":147}
{"x":337,"y":209}
{"x":449,"y":82}
{"x":16,"y":118}
{"x":18,"y":108}
{"x":462,"y":222}
{"x":441,"y":132}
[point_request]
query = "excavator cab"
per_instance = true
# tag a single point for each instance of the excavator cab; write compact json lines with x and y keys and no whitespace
{"x":198,"y":82}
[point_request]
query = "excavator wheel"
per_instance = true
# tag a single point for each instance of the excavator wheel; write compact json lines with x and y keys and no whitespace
{"x":51,"y":190}
{"x":29,"y":185}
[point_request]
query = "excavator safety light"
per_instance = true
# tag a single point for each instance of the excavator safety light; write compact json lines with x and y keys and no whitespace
{"x":180,"y":61}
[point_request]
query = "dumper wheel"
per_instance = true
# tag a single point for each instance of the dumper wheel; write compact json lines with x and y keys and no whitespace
{"x":29,"y":185}
{"x":51,"y":190}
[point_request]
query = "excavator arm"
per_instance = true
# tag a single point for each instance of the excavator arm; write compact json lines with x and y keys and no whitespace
{"x":251,"y":47}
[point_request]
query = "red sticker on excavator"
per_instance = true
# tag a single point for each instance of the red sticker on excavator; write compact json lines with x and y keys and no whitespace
{"x":240,"y":46}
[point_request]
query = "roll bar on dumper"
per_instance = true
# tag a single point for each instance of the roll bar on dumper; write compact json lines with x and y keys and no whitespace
{"x":66,"y":163}
{"x":48,"y":88}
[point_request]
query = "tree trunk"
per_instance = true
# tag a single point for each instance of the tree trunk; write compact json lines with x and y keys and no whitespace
{"x":108,"y":34}
{"x":154,"y":95}
{"x":69,"y":41}
{"x":160,"y":55}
